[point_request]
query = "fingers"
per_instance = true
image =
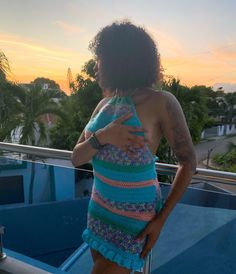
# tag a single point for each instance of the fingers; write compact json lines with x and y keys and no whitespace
{"x":148,"y":244}
{"x":146,"y":248}
{"x":135,"y":129}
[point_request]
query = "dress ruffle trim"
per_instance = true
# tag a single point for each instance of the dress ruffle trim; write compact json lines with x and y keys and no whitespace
{"x":130,"y":263}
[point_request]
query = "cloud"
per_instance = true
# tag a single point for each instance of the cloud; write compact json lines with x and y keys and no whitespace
{"x":30,"y":59}
{"x":167,"y":44}
{"x":225,"y":53}
{"x":68,"y":29}
{"x":227,"y":87}
{"x":218,"y":64}
{"x":21,"y":43}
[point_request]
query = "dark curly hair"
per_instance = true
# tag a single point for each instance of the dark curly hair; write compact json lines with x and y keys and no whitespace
{"x":128,"y":55}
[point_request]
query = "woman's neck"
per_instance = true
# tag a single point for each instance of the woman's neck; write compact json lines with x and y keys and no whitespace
{"x":130,"y":92}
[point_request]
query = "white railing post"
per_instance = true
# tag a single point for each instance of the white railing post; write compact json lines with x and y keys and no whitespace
{"x":148,"y":264}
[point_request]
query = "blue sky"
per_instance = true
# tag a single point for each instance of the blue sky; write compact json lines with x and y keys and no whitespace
{"x":196,"y":39}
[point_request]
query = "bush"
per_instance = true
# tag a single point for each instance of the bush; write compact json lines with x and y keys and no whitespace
{"x":227,"y":161}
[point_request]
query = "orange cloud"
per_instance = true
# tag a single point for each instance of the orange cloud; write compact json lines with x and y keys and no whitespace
{"x":216,"y":64}
{"x":17,"y":42}
{"x":29,"y":59}
{"x":226,"y":53}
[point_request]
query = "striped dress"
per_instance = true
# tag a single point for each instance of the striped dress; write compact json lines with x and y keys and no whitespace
{"x":126,"y":194}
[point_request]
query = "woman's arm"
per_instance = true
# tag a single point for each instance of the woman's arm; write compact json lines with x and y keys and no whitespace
{"x":114,"y":133}
{"x":83,"y":151}
{"x":175,"y":130}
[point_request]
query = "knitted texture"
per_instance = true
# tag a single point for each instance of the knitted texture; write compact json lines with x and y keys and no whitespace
{"x":126,"y":194}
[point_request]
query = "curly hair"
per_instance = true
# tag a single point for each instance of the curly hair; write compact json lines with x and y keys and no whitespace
{"x":128,"y":55}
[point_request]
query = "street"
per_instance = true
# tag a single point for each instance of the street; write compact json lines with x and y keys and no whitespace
{"x":217,"y":145}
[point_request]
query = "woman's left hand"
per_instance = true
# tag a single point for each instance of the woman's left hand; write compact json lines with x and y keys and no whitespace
{"x":151,"y":233}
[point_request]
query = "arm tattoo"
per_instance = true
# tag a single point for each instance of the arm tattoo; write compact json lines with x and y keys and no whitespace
{"x":182,"y":144}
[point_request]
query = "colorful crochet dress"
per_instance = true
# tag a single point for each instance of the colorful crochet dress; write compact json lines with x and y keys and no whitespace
{"x":126,"y":193}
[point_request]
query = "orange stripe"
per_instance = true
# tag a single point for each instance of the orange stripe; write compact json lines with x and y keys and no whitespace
{"x":125,"y":184}
{"x":139,"y":215}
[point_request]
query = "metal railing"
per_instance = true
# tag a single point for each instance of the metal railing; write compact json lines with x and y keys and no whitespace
{"x":222,"y":177}
{"x":166,"y":169}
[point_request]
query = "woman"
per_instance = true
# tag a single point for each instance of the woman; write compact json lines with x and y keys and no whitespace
{"x":126,"y":212}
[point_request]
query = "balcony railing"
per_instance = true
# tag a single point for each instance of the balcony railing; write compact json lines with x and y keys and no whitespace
{"x":220,"y":178}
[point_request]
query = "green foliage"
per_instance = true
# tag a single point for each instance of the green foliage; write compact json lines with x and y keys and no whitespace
{"x":39,"y":81}
{"x":227,"y":161}
{"x":33,"y":103}
{"x":88,"y":68}
{"x":78,"y":108}
{"x":9,"y":109}
{"x":53,"y":87}
{"x":193,"y":102}
{"x":164,"y":152}
{"x":211,"y":123}
{"x":230,"y":111}
{"x":23,"y":108}
{"x":4,"y":67}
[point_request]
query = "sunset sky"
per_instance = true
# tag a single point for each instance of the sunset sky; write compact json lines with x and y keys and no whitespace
{"x":196,"y":39}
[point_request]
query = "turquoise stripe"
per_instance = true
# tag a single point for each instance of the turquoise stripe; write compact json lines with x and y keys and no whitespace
{"x":135,"y":224}
{"x":137,"y":195}
{"x":103,"y":247}
{"x":127,"y":176}
{"x":117,"y":225}
{"x":95,"y":124}
{"x":112,"y":166}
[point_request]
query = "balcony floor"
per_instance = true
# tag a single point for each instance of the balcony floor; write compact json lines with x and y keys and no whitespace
{"x":194,"y":240}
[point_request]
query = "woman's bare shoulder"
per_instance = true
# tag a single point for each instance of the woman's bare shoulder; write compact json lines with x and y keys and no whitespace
{"x":159,"y":99}
{"x":160,"y":95}
{"x":100,"y":104}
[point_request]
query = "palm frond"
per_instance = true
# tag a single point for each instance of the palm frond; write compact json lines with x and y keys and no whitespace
{"x":4,"y":65}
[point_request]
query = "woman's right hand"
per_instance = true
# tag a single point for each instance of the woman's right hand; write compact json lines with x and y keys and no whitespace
{"x":120,"y":135}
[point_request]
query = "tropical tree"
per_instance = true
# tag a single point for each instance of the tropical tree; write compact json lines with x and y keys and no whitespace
{"x":193,"y":102}
{"x":34,"y":103}
{"x":230,"y":110}
{"x":78,"y":108}
{"x":51,"y":85}
{"x":9,"y":110}
{"x":9,"y":105}
{"x":4,"y":67}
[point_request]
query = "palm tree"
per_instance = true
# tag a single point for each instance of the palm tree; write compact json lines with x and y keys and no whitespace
{"x":9,"y":110}
{"x":8,"y":103}
{"x":4,"y":66}
{"x":34,"y":104}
